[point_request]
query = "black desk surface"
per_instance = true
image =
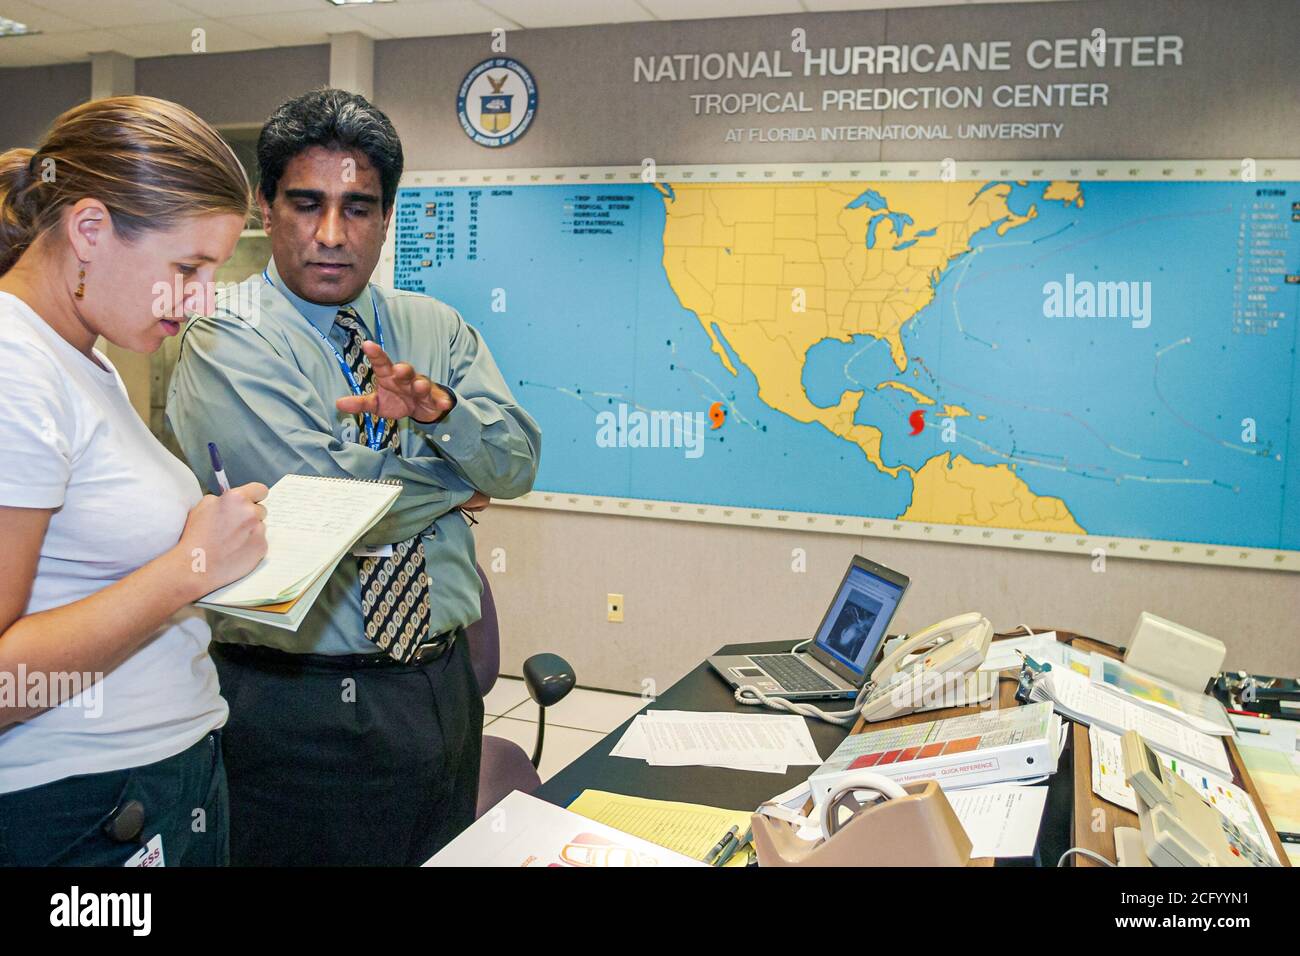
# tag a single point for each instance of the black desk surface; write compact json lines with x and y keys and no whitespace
{"x":701,"y":690}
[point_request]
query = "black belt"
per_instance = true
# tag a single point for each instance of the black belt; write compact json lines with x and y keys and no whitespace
{"x":431,"y":649}
{"x":428,"y":652}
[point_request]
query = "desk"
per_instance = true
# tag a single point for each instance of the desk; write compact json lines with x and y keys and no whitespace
{"x":701,"y":690}
{"x":1070,"y":800}
{"x":1089,"y":807}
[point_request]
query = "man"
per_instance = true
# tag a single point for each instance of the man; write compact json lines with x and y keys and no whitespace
{"x":357,"y":738}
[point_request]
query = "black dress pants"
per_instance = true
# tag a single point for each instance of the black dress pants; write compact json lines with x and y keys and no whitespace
{"x":335,"y":762}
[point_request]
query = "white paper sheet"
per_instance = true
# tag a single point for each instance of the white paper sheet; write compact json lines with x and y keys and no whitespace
{"x":1002,"y":654}
{"x":1077,"y":695}
{"x":633,"y":745}
{"x":522,"y":830}
{"x":1199,"y":711}
{"x":683,"y":739}
{"x":310,"y":523}
{"x":1266,"y":733}
{"x":1001,"y":820}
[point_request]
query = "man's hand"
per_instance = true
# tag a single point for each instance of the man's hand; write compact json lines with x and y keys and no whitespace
{"x":400,"y":392}
{"x":476,"y":502}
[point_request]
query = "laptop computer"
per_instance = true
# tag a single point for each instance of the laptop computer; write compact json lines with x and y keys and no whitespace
{"x":846,"y":645}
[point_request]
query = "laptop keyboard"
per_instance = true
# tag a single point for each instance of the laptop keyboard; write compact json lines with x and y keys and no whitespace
{"x":793,"y":673}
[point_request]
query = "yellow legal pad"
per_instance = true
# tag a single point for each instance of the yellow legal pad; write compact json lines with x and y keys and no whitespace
{"x":688,"y":828}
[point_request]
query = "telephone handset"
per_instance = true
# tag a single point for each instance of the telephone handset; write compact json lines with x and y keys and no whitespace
{"x":933,"y":637}
{"x":946,"y":650}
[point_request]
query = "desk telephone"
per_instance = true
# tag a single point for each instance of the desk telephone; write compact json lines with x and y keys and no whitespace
{"x":905,"y":681}
{"x":1178,"y":828}
{"x":942,"y":652}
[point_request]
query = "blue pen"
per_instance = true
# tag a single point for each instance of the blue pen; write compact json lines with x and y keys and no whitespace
{"x":218,"y":467}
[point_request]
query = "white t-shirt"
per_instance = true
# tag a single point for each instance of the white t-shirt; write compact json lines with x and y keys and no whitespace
{"x":70,"y":441}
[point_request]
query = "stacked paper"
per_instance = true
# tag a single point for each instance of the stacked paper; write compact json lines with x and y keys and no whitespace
{"x":766,"y":743}
{"x":522,"y":830}
{"x":1076,"y":697}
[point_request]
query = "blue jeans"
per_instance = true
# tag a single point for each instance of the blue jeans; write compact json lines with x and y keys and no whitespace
{"x":62,"y":823}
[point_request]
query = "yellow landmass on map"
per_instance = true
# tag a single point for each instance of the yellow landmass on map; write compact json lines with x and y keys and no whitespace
{"x":788,"y":263}
{"x":956,"y":490}
{"x":772,"y":269}
{"x":951,"y":411}
{"x":775,"y":269}
{"x":915,"y":393}
{"x":1012,"y":220}
{"x":1065,"y":192}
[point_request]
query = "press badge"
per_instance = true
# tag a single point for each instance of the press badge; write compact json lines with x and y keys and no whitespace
{"x":150,"y":854}
{"x":373,"y":551}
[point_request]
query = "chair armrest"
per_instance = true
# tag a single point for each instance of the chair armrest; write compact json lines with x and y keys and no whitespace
{"x":549,"y":678}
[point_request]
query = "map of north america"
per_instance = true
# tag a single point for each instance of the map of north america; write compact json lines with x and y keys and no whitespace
{"x":1064,"y":357}
{"x":776,"y":270}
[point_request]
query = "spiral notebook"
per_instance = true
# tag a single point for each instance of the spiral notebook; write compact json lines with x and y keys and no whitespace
{"x":311,"y":523}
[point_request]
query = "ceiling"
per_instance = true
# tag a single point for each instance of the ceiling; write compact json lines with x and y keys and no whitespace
{"x":72,"y":29}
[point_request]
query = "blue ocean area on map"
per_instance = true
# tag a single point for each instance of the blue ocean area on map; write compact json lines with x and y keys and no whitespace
{"x":1134,"y":444}
{"x":1138,"y":430}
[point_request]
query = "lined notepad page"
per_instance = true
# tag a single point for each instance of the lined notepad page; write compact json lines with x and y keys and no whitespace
{"x":311,"y":522}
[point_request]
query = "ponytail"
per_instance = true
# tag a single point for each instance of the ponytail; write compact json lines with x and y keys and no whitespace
{"x":151,"y":162}
{"x":17,"y":205}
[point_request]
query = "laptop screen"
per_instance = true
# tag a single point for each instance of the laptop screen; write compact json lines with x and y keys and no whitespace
{"x":854,"y":627}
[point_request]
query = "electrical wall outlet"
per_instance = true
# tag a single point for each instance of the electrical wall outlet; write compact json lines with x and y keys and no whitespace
{"x":614,"y":607}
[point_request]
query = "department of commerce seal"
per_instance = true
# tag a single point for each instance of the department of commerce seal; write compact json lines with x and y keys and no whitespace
{"x":496,"y":102}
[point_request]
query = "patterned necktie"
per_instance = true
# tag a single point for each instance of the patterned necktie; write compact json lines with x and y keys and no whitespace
{"x":394,"y":590}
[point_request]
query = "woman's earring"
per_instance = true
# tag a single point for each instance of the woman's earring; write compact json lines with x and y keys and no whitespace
{"x":81,"y":283}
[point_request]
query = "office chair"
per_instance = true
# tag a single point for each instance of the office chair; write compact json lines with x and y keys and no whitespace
{"x":504,"y":766}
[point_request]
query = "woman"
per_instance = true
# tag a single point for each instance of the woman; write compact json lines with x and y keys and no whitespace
{"x":109,"y":746}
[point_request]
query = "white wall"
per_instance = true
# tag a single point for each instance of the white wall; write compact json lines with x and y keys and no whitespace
{"x":690,"y":588}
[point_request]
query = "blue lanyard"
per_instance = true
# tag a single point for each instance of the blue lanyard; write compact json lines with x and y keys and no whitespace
{"x":374,"y":437}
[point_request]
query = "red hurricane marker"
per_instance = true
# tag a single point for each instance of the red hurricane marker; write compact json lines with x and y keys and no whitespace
{"x":917,"y":421}
{"x":717,"y":415}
